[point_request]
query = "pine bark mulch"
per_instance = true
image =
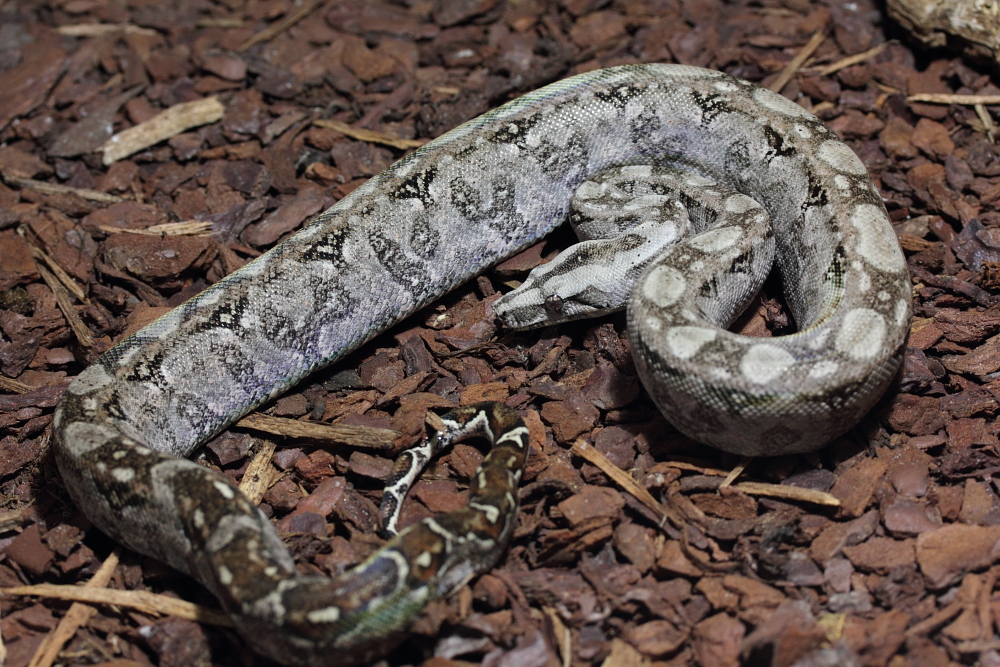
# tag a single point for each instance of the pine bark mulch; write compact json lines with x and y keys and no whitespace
{"x":148,"y":149}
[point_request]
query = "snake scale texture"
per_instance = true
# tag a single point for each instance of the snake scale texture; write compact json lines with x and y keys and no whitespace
{"x":714,"y":179}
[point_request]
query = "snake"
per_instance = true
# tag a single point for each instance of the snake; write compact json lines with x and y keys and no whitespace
{"x":685,"y":186}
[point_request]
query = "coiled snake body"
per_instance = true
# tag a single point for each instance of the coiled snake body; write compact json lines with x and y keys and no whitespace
{"x":679,"y":150}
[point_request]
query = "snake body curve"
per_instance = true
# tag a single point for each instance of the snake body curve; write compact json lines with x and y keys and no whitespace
{"x":430,"y":222}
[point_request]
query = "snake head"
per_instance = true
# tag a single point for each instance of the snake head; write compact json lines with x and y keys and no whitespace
{"x":589,"y":279}
{"x":534,"y":305}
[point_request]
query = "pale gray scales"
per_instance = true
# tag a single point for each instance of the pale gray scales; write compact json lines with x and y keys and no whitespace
{"x":430,"y":222}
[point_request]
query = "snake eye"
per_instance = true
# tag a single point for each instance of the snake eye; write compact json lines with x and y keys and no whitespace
{"x":554,"y":303}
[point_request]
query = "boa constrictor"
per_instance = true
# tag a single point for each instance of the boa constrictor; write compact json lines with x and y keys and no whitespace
{"x":651,"y":139}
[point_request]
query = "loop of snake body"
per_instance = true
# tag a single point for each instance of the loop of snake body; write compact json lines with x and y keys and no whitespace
{"x":744,"y":172}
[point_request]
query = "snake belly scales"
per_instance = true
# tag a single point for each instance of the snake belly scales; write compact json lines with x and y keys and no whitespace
{"x":781,"y":186}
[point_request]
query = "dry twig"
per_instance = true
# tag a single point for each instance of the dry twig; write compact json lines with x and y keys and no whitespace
{"x":79,"y":329}
{"x":788,"y":492}
{"x":142,"y":601}
{"x":372,"y":136}
{"x":795,"y":63}
{"x":102,"y":29}
{"x":947,"y":98}
{"x":852,"y":60}
{"x":260,"y":474}
{"x":184,"y":228}
{"x":356,"y":436}
{"x":280,"y":26}
{"x":58,"y":189}
{"x":14,"y":386}
{"x":586,"y":451}
{"x":77,"y":616}
{"x":168,"y":123}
